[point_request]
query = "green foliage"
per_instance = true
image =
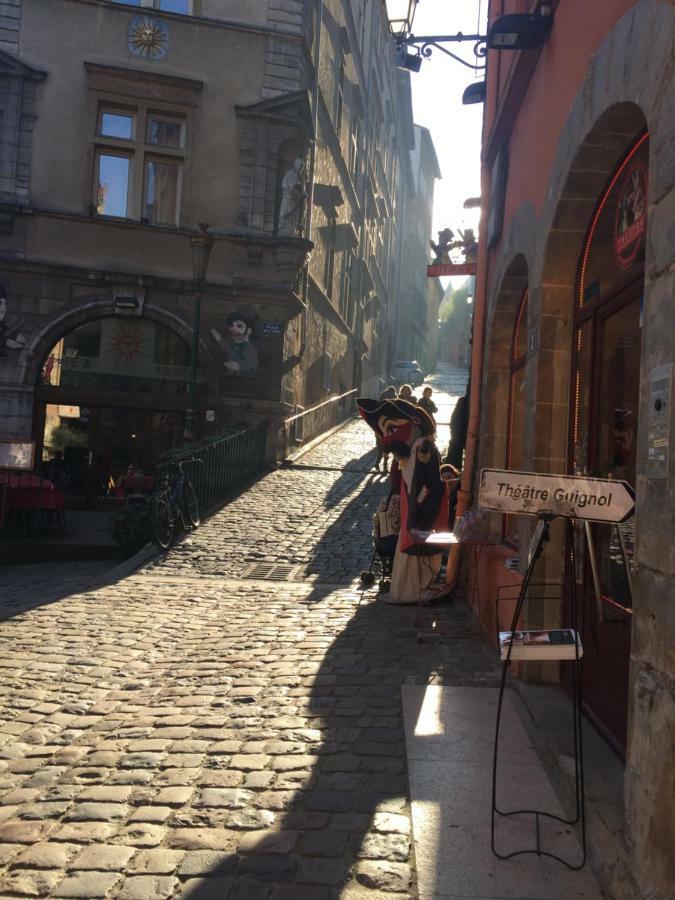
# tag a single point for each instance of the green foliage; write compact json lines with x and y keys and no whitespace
{"x":455,"y":329}
{"x":130,"y":526}
{"x":454,"y":308}
{"x":63,"y":436}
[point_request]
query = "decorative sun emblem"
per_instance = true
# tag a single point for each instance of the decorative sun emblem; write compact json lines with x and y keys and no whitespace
{"x":128,"y":345}
{"x":148,"y":38}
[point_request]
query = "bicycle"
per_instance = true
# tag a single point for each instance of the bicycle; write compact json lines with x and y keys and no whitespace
{"x":176,"y":499}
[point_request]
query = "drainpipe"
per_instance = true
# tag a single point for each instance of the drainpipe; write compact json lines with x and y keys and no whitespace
{"x":464,"y":494}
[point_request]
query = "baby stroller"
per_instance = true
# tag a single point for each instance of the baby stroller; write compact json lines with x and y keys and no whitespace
{"x":386,"y":525}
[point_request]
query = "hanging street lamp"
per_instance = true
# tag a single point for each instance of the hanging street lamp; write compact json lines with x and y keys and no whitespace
{"x":515,"y":31}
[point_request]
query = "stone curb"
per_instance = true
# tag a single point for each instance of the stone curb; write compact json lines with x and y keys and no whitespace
{"x":126,"y":568}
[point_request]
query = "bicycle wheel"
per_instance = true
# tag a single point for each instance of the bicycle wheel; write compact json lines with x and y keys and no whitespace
{"x":163,"y":523}
{"x":191,"y":505}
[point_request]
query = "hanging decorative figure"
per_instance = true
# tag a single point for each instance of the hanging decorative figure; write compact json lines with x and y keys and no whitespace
{"x":407,"y":432}
{"x":241,"y":355}
{"x":293,"y":198}
{"x":469,"y":245}
{"x":444,"y":246}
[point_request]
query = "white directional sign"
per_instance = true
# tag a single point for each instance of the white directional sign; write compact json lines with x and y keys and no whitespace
{"x":534,"y":494}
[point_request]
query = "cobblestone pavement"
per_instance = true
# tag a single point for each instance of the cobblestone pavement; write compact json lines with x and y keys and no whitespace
{"x":185,"y":734}
{"x":314,"y":515}
{"x":22,"y":586}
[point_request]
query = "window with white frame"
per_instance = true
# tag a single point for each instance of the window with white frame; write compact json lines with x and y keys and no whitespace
{"x":354,"y":146}
{"x":346,"y":287}
{"x":184,"y":7}
{"x":339,"y":92}
{"x":139,"y":161}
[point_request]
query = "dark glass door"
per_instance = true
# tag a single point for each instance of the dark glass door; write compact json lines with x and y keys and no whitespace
{"x":604,"y":445}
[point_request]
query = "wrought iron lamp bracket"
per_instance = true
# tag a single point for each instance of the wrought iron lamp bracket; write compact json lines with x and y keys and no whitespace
{"x":427,"y":43}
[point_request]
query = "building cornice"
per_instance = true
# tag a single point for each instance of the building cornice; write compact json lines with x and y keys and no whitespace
{"x":248,"y":28}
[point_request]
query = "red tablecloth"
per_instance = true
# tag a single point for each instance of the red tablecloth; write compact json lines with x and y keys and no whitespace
{"x":23,"y":480}
{"x":28,"y":491}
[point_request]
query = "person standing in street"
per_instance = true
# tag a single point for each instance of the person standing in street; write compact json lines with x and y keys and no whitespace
{"x":406,"y":393}
{"x":427,"y":403}
{"x":459,"y":422}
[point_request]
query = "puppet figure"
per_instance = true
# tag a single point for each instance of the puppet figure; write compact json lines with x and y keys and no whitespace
{"x":407,"y":432}
{"x":241,"y":355}
{"x":443,"y":247}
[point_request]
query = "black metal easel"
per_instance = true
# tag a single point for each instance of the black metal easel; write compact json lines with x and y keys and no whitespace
{"x":569,"y":585}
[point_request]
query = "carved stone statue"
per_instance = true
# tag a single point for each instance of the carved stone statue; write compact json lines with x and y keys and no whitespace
{"x":293,"y":199}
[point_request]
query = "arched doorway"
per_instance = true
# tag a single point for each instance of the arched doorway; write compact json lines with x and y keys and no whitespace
{"x":111,"y":397}
{"x":503,"y":439}
{"x":604,"y":409}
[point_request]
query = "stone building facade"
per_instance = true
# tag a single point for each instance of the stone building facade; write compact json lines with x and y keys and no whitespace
{"x":124,"y":126}
{"x":572,"y":367}
{"x":416,"y":338}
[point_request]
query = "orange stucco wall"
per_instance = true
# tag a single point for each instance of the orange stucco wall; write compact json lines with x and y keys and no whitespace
{"x":579,"y":28}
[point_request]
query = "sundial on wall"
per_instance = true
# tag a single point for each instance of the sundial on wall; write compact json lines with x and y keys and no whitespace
{"x":148,"y":37}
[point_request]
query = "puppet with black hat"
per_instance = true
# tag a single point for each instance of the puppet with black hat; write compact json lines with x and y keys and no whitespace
{"x":407,"y":431}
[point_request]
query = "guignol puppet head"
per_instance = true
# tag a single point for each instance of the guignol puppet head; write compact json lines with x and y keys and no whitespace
{"x":397,"y":423}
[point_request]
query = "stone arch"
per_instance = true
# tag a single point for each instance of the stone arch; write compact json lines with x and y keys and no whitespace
{"x":92,"y":307}
{"x":509,"y":281}
{"x":628,"y":87}
{"x":597,"y":155}
{"x":496,"y":375}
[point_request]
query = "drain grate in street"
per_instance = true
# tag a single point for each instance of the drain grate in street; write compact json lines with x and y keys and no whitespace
{"x":271,"y":572}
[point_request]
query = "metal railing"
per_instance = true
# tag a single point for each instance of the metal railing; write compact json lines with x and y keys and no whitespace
{"x":310,"y":423}
{"x":225,"y":463}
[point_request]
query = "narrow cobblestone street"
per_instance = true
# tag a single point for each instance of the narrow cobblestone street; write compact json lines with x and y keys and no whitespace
{"x":208,"y":729}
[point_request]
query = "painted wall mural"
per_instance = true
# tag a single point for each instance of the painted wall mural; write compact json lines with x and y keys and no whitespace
{"x":241,"y":355}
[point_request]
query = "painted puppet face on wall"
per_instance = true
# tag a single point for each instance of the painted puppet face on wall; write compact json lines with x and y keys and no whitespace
{"x":239,"y":330}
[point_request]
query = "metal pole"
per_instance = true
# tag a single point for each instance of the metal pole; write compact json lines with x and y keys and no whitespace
{"x":191,"y":413}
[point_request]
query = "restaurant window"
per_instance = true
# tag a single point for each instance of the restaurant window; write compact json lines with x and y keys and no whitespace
{"x":139,"y":162}
{"x":515,"y":438}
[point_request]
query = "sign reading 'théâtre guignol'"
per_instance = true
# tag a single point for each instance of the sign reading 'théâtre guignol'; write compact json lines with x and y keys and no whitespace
{"x":534,"y":494}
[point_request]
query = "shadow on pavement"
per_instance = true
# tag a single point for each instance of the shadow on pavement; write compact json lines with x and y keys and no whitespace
{"x":24,"y":588}
{"x":345,"y":818}
{"x":352,"y":472}
{"x":345,"y":547}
